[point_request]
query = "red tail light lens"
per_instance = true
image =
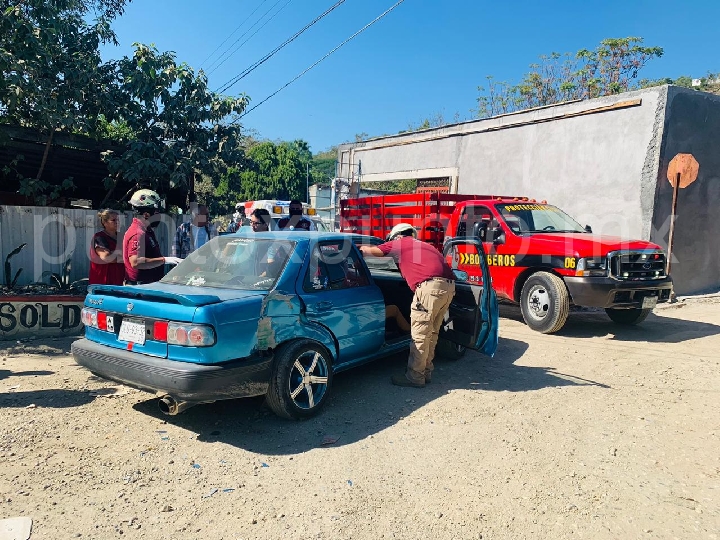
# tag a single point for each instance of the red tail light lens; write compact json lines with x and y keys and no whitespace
{"x":160,"y":330}
{"x":102,"y":320}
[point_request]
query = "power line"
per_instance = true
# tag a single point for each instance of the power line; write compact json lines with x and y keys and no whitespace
{"x":233,"y":32}
{"x":257,"y":64}
{"x":368,"y":25}
{"x":236,"y":49}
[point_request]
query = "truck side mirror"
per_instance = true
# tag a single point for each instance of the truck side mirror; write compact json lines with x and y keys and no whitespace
{"x":588,"y":228}
{"x":498,"y":236}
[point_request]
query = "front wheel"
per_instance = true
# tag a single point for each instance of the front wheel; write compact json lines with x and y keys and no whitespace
{"x":545,"y":302}
{"x":628,"y":316}
{"x":449,"y":350}
{"x":301,"y":379}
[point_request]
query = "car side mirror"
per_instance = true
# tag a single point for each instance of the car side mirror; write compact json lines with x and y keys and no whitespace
{"x":588,"y":228}
{"x":498,"y":236}
{"x":461,"y":275}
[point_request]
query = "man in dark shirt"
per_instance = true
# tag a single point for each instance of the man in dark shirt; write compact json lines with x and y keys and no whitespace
{"x":144,"y":262}
{"x":431,"y":279}
{"x":296,"y":221}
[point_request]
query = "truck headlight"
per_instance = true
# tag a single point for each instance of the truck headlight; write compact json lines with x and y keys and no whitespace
{"x":591,"y":267}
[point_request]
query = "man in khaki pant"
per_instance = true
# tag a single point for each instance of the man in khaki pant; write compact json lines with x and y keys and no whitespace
{"x":433,"y":282}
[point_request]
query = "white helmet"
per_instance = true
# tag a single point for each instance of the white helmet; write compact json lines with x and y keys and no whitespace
{"x":400,"y":229}
{"x":145,"y":198}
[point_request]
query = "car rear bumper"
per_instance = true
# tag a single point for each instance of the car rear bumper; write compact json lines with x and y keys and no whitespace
{"x":182,"y":380}
{"x":612,"y":293}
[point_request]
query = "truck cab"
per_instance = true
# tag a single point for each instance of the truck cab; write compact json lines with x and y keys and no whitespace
{"x":539,"y":256}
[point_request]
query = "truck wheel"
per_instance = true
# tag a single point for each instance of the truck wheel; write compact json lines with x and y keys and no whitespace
{"x":301,"y":379}
{"x":544,"y":302}
{"x":628,"y":316}
{"x":449,"y":350}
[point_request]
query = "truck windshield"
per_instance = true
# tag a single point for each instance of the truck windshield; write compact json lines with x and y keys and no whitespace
{"x":533,"y":218}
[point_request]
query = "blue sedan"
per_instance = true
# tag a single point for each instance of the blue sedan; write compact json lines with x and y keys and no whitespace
{"x":274,"y":314}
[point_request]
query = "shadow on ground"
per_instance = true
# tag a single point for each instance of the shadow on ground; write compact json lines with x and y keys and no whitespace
{"x":655,"y":329}
{"x":362,"y":403}
{"x":48,"y":399}
{"x":6,"y":373}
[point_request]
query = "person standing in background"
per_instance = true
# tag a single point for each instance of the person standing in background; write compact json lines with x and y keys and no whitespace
{"x":192,"y":234}
{"x":106,"y":261}
{"x":295,"y":220}
{"x":144,"y":262}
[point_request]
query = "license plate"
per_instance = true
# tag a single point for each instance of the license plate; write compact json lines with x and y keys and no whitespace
{"x":649,"y":302}
{"x":133,"y":331}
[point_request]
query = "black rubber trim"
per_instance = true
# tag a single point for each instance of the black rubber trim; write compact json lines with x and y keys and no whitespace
{"x":182,"y":380}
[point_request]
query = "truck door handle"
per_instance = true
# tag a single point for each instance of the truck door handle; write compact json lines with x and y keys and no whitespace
{"x":323,"y":306}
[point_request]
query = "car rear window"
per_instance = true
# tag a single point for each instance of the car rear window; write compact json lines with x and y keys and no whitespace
{"x":234,"y":263}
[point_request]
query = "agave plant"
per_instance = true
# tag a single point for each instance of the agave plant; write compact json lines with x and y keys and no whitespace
{"x":9,"y":280}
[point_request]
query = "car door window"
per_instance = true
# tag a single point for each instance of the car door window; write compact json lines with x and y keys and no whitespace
{"x":334,"y":266}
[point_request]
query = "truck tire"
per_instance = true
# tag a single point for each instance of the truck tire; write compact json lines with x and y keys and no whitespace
{"x":448,"y":350}
{"x":301,"y":379}
{"x":544,"y":302}
{"x":628,"y":316}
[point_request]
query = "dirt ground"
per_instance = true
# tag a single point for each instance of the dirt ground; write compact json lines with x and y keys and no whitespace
{"x":597,"y":432}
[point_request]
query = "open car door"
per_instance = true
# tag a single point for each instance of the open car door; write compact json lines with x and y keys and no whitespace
{"x":472,"y":320}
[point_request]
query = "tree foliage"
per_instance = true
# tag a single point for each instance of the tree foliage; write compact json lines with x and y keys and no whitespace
{"x":611,"y":68}
{"x":51,"y":75}
{"x":710,"y":83}
{"x":180,"y":130}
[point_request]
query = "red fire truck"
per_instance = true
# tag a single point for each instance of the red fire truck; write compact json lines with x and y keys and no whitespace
{"x":539,"y":257}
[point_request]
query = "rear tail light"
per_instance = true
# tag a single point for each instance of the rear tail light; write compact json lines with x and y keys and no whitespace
{"x":160,"y":330}
{"x":102,"y":320}
{"x":190,"y":335}
{"x":173,"y":333}
{"x":89,"y":317}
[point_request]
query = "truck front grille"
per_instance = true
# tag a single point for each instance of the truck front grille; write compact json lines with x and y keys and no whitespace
{"x":637,"y":265}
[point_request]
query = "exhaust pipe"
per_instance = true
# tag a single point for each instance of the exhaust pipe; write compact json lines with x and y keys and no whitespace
{"x":170,"y":406}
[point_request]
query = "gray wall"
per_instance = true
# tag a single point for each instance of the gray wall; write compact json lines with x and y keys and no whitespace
{"x":692,"y":126}
{"x":584,"y":160}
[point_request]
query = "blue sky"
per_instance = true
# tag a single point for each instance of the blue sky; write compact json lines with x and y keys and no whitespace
{"x":427,"y":57}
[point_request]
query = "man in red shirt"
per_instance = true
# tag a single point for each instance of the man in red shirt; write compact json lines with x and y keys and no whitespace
{"x":144,"y":262}
{"x":433,"y":282}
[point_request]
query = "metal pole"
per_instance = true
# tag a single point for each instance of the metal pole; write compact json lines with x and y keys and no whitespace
{"x":673,"y":213}
{"x":307,"y":182}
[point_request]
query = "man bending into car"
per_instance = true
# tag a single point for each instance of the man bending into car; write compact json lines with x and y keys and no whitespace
{"x":433,"y":283}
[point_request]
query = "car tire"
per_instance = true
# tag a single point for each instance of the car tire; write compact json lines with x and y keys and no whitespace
{"x":545,"y":302}
{"x":301,"y":379}
{"x":448,"y":350}
{"x":627,"y":316}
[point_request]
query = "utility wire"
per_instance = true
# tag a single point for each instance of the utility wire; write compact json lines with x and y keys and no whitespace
{"x":236,"y":49}
{"x":265,"y":58}
{"x":368,"y":25}
{"x":233,"y":32}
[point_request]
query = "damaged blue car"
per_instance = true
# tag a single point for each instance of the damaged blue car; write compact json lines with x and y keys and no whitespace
{"x":275,"y":314}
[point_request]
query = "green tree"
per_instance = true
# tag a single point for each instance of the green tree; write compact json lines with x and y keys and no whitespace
{"x":710,"y":83}
{"x":51,"y":74}
{"x":181,"y":130}
{"x":273,"y":171}
{"x":611,"y":68}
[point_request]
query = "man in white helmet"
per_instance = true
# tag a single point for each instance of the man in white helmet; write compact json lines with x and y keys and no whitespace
{"x":432,"y":280}
{"x":143,"y":259}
